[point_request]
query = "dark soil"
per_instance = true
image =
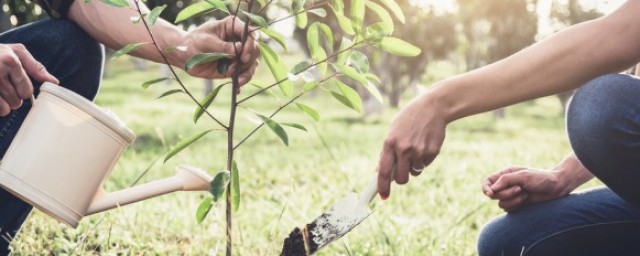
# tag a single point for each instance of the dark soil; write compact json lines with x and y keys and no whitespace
{"x":294,"y":245}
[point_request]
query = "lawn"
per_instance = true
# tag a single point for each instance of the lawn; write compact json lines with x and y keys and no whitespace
{"x":439,"y":213}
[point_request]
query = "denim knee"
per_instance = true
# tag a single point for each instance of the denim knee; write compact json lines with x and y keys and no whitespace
{"x":493,"y":239}
{"x":603,"y":124}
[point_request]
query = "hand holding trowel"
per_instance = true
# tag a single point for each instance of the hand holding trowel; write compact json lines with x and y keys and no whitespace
{"x":331,"y":225}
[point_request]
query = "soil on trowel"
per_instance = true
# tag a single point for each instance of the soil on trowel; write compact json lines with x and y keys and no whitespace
{"x":300,"y":242}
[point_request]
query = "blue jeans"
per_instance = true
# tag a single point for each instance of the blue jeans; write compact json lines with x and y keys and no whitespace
{"x":603,"y":123}
{"x":73,"y":57}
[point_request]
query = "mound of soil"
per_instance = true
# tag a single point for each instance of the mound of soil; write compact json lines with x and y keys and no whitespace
{"x":299,"y":241}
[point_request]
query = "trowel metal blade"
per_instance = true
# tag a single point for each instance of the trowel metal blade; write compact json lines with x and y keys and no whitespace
{"x":338,"y":221}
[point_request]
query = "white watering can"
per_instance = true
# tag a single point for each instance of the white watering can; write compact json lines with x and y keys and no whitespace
{"x":65,"y":150}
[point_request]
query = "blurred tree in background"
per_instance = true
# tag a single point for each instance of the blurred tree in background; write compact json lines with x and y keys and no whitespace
{"x":479,"y":32}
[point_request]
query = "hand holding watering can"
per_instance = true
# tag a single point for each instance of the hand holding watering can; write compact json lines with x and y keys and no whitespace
{"x":67,"y":183}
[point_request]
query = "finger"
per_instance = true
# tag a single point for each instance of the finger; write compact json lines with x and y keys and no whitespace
{"x":385,"y":166}
{"x":486,"y":188}
{"x":9,"y":94}
{"x":17,"y":76}
{"x":248,"y":50}
{"x":403,"y":167}
{"x":508,"y":180}
{"x":507,"y":194}
{"x":246,"y":76}
{"x":494,"y":177}
{"x":417,"y":165}
{"x":4,"y":107}
{"x":513,"y":204}
{"x":234,"y":28}
{"x":33,"y":67}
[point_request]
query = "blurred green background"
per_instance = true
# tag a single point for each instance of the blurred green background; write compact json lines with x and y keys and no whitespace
{"x":438,"y":213}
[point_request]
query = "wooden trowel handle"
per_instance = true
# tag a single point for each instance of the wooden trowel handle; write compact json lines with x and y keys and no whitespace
{"x":370,"y":192}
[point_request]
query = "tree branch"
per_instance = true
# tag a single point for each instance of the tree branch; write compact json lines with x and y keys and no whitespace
{"x":175,"y":75}
{"x":299,"y":72}
{"x":279,"y":109}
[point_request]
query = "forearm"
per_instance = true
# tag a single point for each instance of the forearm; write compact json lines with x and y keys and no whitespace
{"x":572,"y":173}
{"x":112,"y":26}
{"x":564,"y":61}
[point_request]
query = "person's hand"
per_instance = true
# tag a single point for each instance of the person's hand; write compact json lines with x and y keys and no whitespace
{"x":414,"y":140}
{"x":16,"y":65}
{"x":516,"y":187}
{"x":219,"y":36}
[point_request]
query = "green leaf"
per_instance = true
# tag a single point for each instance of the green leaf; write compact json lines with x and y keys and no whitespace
{"x":377,"y":31}
{"x":201,"y":8}
{"x":223,"y":65}
{"x":300,"y":67}
{"x":268,"y":91}
{"x":262,"y":3}
{"x":302,"y":20}
{"x":399,"y":47}
{"x":146,"y":84}
{"x":203,"y":58}
{"x":170,"y":92}
{"x":181,"y":48}
{"x":256,"y":19}
{"x":206,"y":102}
{"x":203,"y":209}
{"x":382,"y":13}
{"x":348,"y":96}
{"x":137,"y":19}
{"x":313,"y":38}
{"x":276,"y":128}
{"x":310,"y":86}
{"x":155,"y":13}
{"x":277,"y":67}
{"x":338,"y":5}
{"x":321,"y":55}
{"x":319,"y":11}
{"x":395,"y":8}
{"x":357,"y":14}
{"x":372,"y":77}
{"x":309,"y":110}
{"x":344,"y":55}
{"x":351,"y":73}
{"x":219,"y":184}
{"x":294,"y":125}
{"x":297,"y":5}
{"x":344,"y":22}
{"x":328,"y":34}
{"x":235,"y":187}
{"x":127,"y":49}
{"x":184,"y":144}
{"x":359,"y":61}
{"x":374,"y":91}
{"x":275,"y":36}
{"x":116,"y":3}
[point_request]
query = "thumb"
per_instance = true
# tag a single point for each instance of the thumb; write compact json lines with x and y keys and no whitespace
{"x":34,"y":68}
{"x":508,"y":180}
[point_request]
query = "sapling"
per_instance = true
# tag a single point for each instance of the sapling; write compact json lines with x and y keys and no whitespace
{"x":336,"y":70}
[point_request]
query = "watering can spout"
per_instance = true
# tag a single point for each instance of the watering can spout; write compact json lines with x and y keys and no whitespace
{"x":187,"y":178}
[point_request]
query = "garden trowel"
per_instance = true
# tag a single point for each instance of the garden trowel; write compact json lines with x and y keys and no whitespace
{"x":331,"y":225}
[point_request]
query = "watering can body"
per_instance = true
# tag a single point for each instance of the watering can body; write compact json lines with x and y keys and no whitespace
{"x":65,"y":150}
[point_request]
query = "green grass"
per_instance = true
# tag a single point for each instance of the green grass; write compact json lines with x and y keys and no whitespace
{"x":439,"y":213}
